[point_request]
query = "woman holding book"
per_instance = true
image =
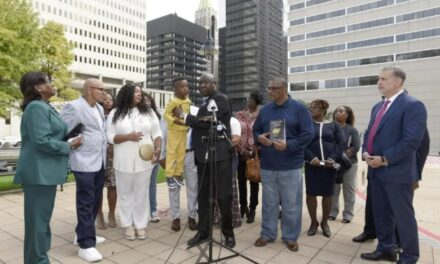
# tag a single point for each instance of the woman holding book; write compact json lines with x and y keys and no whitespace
{"x":320,"y":165}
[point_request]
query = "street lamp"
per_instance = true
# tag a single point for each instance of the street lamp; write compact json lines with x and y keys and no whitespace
{"x":208,"y":50}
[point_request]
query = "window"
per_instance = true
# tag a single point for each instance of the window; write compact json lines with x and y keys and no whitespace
{"x":418,"y":15}
{"x":362,"y":81}
{"x":297,"y":38}
{"x":297,"y":22}
{"x":317,"y":2}
{"x":325,"y":49}
{"x":370,"y":42}
{"x":312,"y":85}
{"x":418,"y":55}
{"x":371,"y":24}
{"x":325,"y":66}
{"x":297,"y":6}
{"x":369,"y":6}
{"x":336,"y":83}
{"x":372,"y":60}
{"x":324,"y":16}
{"x":297,"y":69}
{"x":326,"y":32}
{"x":297,"y":53}
{"x":418,"y":35}
{"x":299,"y":86}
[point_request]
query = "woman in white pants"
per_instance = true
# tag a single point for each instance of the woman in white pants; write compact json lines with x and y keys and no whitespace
{"x":129,"y":125}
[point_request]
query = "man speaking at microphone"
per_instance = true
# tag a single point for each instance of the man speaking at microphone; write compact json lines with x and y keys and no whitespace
{"x":216,"y":105}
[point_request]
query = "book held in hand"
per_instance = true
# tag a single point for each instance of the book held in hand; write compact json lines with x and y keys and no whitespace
{"x":277,"y":130}
{"x":74,"y":132}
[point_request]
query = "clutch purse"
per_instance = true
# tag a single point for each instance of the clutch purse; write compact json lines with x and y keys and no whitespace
{"x":146,"y":151}
{"x":74,"y":132}
{"x":253,"y":169}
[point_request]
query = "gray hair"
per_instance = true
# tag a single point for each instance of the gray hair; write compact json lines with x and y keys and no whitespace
{"x":397,"y":72}
{"x":208,"y":76}
{"x":280,"y":80}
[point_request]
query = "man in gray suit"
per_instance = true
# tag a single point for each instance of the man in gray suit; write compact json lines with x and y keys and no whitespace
{"x":87,"y":163}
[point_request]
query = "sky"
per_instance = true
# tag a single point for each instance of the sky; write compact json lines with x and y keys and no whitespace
{"x":184,"y":8}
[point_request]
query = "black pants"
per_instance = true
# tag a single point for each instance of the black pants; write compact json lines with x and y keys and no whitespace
{"x":222,"y":192}
{"x":89,"y":187}
{"x":242,"y":187}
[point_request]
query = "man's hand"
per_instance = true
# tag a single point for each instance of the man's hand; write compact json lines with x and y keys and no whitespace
{"x":349,"y":152}
{"x":134,"y":136}
{"x":329,"y":163}
{"x":280,"y":145}
{"x":374,"y":161}
{"x":162,"y":163}
{"x":156,"y":155}
{"x":262,"y":138}
{"x":179,"y":122}
{"x":177,"y":111}
{"x":415,"y":185}
{"x":315,"y":162}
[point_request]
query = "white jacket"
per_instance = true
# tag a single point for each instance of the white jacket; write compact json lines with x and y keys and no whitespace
{"x":126,"y":155}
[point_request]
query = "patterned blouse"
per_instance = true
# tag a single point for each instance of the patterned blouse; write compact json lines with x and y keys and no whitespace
{"x":246,"y":120}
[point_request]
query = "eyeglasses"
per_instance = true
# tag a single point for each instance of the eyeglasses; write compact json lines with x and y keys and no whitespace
{"x":98,"y":88}
{"x":273,"y":88}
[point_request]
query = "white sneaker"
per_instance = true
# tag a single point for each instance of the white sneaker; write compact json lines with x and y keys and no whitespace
{"x":154,"y":218}
{"x":89,"y":254}
{"x":130,"y":233}
{"x":99,"y":240}
{"x":141,"y":234}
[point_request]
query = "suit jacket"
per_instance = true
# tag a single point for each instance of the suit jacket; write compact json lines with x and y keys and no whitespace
{"x":90,"y":156}
{"x":200,"y":131}
{"x":43,"y":155}
{"x":398,"y":137}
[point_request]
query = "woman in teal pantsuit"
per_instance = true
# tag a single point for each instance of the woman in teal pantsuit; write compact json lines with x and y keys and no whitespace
{"x":42,"y":163}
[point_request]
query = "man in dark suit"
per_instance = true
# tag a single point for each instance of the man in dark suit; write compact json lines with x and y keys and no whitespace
{"x":201,"y":125}
{"x":393,"y":136}
{"x":369,"y":231}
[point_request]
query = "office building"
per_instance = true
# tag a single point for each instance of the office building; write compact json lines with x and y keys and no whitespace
{"x":172,"y":50}
{"x":337,"y":48}
{"x":254,"y":47}
{"x":109,"y":37}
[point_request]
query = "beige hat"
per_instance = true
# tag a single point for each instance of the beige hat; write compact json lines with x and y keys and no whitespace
{"x":146,"y":151}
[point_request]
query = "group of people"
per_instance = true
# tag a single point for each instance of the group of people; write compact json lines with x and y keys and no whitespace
{"x":206,"y":148}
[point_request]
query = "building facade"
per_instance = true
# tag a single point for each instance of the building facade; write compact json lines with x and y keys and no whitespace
{"x":254,"y":47}
{"x":109,"y":37}
{"x":337,"y":48}
{"x":172,"y":50}
{"x":206,"y":16}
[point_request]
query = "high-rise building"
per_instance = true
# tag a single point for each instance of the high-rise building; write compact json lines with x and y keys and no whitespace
{"x":172,"y":50}
{"x":109,"y":37}
{"x":206,"y":16}
{"x":337,"y":48}
{"x":254,"y":47}
{"x":222,"y":60}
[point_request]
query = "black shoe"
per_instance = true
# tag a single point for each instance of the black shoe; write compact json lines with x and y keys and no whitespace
{"x":312,"y":229}
{"x":230,"y":241}
{"x":196,"y":240}
{"x":326,"y":230}
{"x":244,"y":210}
{"x":377,"y":255}
{"x":363,"y":237}
{"x":331,"y":218}
{"x":251,"y":216}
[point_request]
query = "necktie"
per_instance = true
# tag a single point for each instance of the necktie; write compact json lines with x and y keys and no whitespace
{"x":376,"y":123}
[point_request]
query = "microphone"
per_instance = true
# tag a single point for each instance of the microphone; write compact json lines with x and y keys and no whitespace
{"x":212,"y":107}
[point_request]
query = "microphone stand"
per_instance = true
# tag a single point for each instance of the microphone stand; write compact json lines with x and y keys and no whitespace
{"x":212,"y":139}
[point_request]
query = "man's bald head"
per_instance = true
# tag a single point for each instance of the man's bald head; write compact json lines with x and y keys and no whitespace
{"x":93,"y":91}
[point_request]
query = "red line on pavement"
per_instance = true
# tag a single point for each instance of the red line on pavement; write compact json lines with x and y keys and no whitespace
{"x":422,"y":230}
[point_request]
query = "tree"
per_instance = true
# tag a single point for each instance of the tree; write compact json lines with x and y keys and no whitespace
{"x":56,"y":55}
{"x":18,"y":50}
{"x":26,"y":47}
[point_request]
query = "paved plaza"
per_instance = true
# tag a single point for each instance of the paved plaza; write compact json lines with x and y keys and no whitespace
{"x":158,"y":247}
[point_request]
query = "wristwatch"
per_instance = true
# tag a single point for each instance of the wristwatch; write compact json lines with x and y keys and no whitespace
{"x":384,"y":161}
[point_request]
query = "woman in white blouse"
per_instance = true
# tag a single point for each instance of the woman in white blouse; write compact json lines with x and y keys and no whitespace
{"x":130,"y":125}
